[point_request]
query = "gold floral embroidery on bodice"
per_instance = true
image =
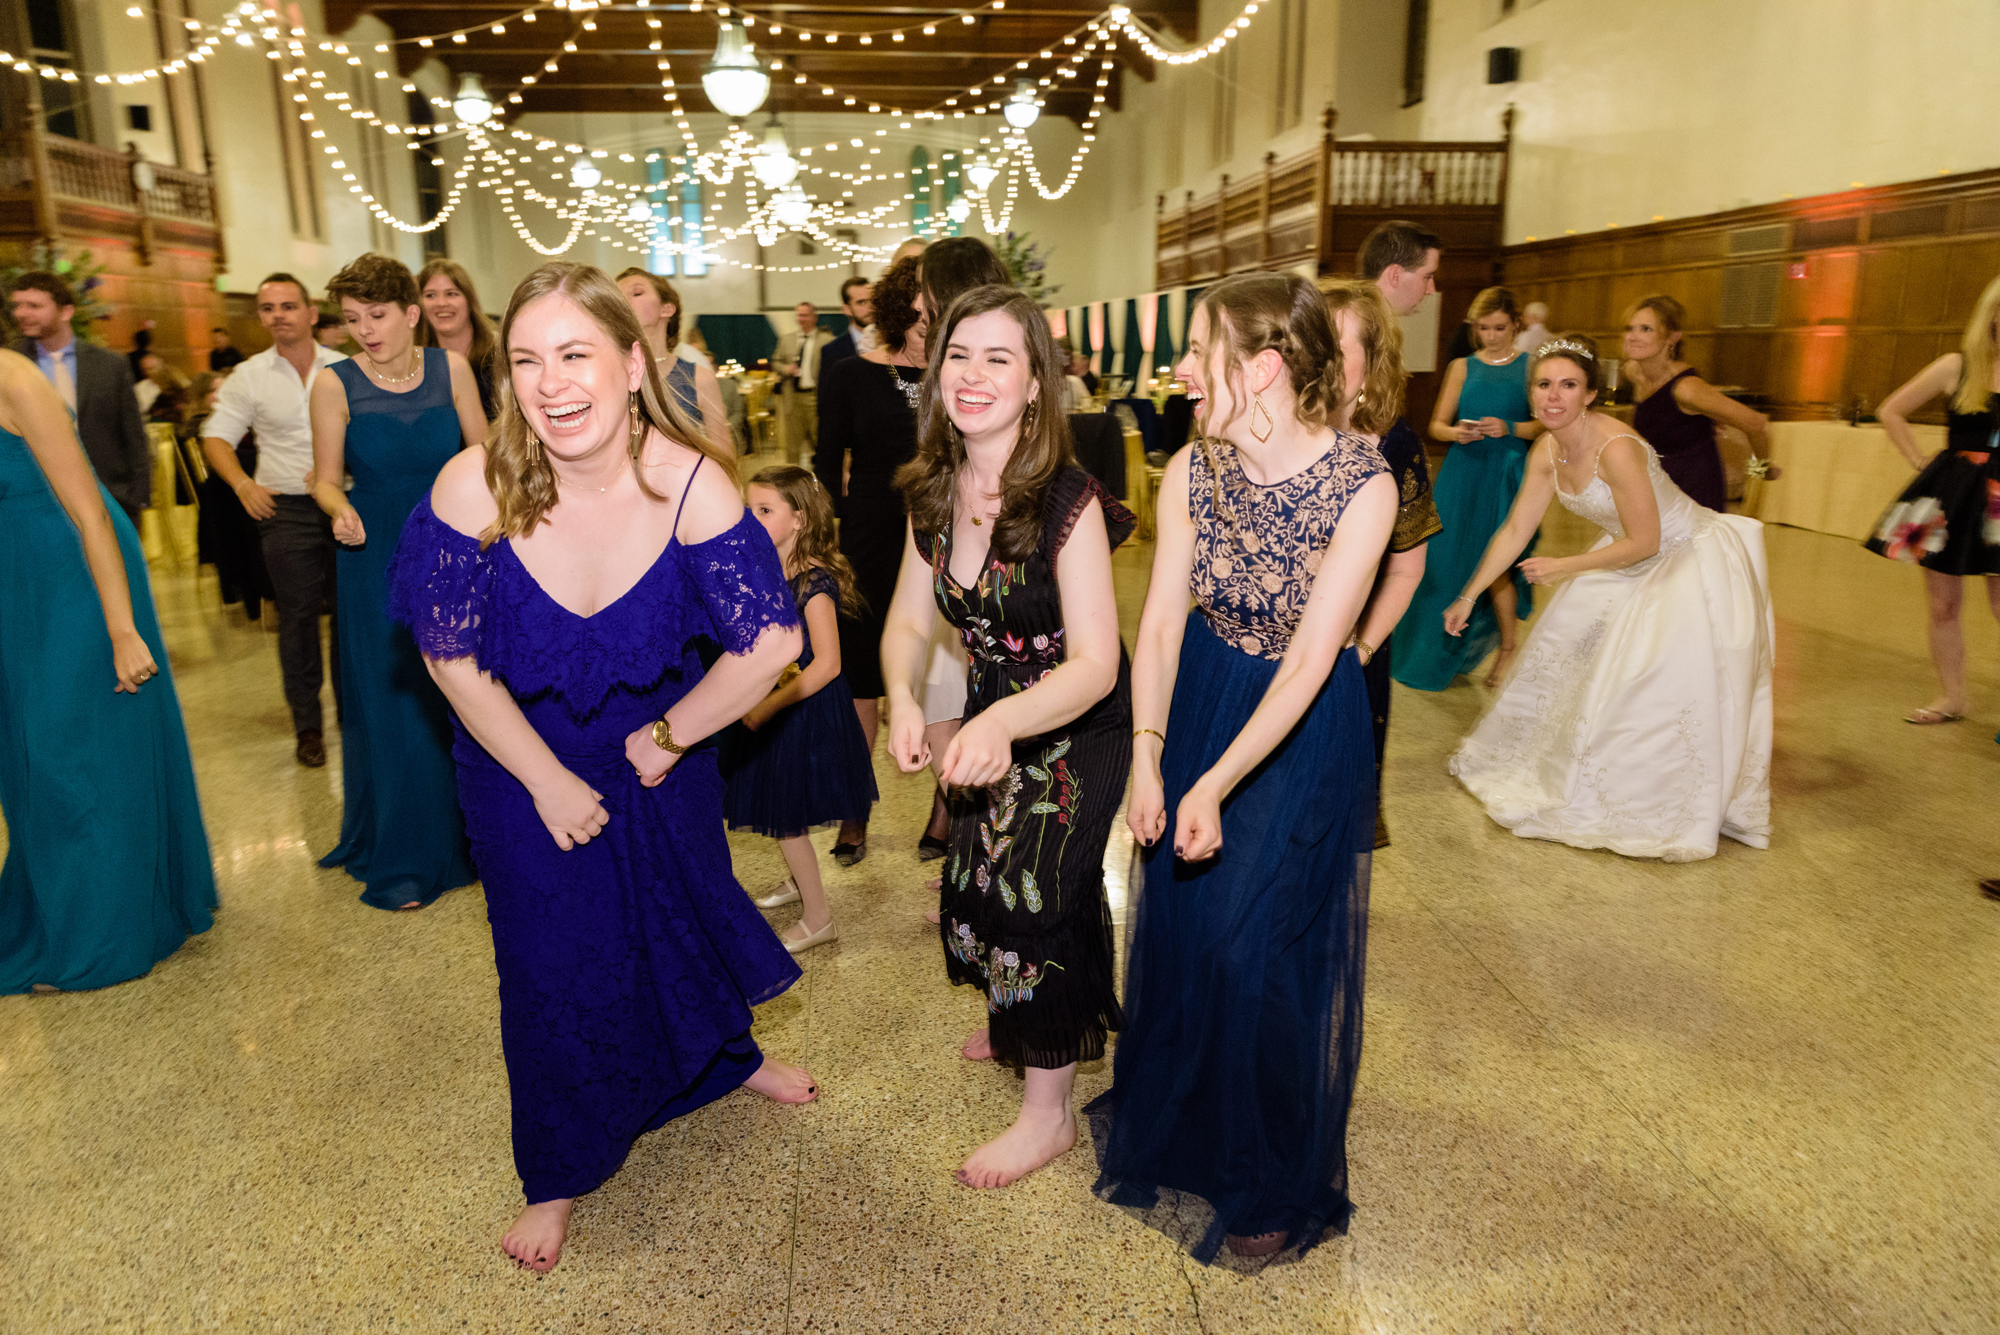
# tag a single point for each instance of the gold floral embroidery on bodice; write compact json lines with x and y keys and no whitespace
{"x":1257,"y":549}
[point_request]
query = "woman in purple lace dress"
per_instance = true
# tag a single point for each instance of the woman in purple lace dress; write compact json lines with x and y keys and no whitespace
{"x":567,"y":583}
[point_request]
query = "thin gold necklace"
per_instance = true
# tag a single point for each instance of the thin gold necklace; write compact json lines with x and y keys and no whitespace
{"x":416,"y":369}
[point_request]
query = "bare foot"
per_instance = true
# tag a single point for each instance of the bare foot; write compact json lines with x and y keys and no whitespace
{"x":782,"y":1084}
{"x":536,"y":1239}
{"x":1035,"y":1138}
{"x":978,"y":1046}
{"x":1501,"y":662}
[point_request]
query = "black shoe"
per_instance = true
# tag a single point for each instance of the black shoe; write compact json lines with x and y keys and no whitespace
{"x":930,"y":848}
{"x":1991,"y":889}
{"x":311,"y":750}
{"x":849,"y":854}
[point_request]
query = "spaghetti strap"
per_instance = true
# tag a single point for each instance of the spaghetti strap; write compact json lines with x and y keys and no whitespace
{"x":674,"y":533}
{"x":1599,"y":458}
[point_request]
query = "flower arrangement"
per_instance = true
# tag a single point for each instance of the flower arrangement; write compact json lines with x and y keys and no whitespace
{"x":83,"y":274}
{"x":1026,"y":265}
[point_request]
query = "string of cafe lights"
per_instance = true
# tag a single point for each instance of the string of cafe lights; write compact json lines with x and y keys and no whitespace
{"x":241,"y":26}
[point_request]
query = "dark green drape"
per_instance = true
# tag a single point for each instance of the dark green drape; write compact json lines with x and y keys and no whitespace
{"x":1133,"y":362}
{"x":747,"y":339}
{"x":1163,"y":336}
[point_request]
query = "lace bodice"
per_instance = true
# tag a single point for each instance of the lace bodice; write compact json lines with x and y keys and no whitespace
{"x":1257,"y":549}
{"x":461,"y":601}
{"x":1681,"y":519}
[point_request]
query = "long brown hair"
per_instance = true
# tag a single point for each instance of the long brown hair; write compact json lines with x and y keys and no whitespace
{"x":517,"y":468}
{"x":485,"y":347}
{"x":930,"y":481}
{"x":819,"y":541}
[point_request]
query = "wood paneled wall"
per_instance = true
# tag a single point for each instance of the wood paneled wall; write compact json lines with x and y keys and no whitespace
{"x":1817,"y":305}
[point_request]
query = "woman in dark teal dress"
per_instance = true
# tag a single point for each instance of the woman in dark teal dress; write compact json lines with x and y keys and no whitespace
{"x":392,"y":416}
{"x":1482,"y":413}
{"x":107,"y":863}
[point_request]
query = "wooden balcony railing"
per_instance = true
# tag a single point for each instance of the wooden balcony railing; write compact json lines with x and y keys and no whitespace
{"x":1286,"y":215}
{"x":52,"y":187}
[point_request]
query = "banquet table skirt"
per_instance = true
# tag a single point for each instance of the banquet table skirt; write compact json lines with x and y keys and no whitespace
{"x":1837,"y":478}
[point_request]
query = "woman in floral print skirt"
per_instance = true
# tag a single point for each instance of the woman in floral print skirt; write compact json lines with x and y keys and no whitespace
{"x":1012,"y":542}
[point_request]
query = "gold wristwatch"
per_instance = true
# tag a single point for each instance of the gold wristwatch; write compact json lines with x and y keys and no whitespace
{"x":663,"y":737}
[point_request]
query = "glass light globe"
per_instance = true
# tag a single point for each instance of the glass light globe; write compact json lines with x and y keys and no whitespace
{"x":640,"y":211}
{"x":472,"y":106}
{"x":791,"y":207}
{"x":959,"y":209}
{"x":583,"y":174}
{"x":735,"y":82}
{"x":1021,"y":111}
{"x":981,"y":173}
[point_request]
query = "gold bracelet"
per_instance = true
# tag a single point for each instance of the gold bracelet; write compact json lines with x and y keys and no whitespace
{"x":663,"y":737}
{"x":1137,"y":733}
{"x":1365,"y":650}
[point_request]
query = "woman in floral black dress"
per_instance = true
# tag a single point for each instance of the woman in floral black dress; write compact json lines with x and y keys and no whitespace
{"x":1012,"y":542}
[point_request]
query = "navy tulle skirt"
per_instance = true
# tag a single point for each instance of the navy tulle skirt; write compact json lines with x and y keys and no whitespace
{"x":1228,"y":1108}
{"x":807,"y":767}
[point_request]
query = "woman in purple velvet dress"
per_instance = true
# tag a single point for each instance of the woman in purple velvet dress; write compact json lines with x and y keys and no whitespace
{"x":1676,"y":411}
{"x":566,"y":584}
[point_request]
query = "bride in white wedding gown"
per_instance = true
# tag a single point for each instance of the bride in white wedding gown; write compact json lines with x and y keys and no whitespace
{"x":1638,"y":716}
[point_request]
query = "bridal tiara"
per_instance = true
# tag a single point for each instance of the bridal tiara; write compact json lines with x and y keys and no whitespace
{"x":1565,"y":345}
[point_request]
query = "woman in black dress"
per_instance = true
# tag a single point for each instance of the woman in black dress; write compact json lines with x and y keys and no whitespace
{"x":1011,"y":541}
{"x":868,"y":430}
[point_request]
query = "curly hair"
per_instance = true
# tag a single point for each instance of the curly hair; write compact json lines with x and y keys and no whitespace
{"x":1283,"y":313}
{"x":374,"y":280}
{"x":896,"y":312}
{"x":517,"y":468}
{"x":819,"y":539}
{"x":929,"y":482}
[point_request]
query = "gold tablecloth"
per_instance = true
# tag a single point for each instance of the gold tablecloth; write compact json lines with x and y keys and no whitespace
{"x":1838,"y":478}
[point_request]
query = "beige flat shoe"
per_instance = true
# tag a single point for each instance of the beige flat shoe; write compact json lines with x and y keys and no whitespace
{"x":788,"y":893}
{"x":826,"y":935}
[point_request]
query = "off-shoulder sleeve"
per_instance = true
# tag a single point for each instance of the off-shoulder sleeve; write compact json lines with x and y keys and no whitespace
{"x":1069,"y":495}
{"x":438,"y":584}
{"x":742,"y":584}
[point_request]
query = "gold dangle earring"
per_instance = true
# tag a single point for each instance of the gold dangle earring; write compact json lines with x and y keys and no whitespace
{"x":1270,"y":422}
{"x":638,"y":436}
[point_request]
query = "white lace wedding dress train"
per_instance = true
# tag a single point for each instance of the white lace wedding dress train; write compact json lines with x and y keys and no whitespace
{"x":1638,"y":716}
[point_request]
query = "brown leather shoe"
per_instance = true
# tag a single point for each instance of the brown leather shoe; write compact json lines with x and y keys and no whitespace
{"x":1991,"y":889}
{"x":311,"y":750}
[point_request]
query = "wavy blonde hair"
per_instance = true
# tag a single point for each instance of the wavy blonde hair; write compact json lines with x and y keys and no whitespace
{"x":1980,"y":352}
{"x":517,"y":468}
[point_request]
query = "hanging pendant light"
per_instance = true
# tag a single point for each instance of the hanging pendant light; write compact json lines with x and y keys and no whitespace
{"x":981,"y":174}
{"x":959,"y":209}
{"x":735,"y":82}
{"x":639,"y":211}
{"x":774,"y":164}
{"x":583,"y":174}
{"x":791,"y":207}
{"x":472,"y":106}
{"x":1022,"y":110}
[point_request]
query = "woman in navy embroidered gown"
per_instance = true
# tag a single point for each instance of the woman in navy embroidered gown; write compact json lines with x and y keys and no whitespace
{"x":107,"y":867}
{"x":567,"y":584}
{"x":1012,"y":542}
{"x":392,"y":415}
{"x":1226,"y":1121}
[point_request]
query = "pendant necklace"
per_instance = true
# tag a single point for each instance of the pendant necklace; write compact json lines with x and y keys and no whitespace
{"x":416,"y":369}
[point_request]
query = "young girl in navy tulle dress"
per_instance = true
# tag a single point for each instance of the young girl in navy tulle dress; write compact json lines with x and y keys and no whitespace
{"x":799,"y":761}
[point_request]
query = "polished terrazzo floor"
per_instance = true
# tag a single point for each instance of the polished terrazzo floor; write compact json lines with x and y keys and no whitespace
{"x":1758,"y":1093}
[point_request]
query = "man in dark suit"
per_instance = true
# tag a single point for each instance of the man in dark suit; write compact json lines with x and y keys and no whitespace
{"x":95,"y":382}
{"x":857,"y":298}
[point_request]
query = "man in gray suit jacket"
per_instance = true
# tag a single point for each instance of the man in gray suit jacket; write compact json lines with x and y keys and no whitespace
{"x":95,"y":382}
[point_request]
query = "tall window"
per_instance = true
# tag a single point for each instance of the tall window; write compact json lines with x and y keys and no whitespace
{"x":430,"y":179}
{"x":1416,"y":46}
{"x":1222,"y":113}
{"x":693,"y":263}
{"x":954,"y":186}
{"x":1288,"y":107}
{"x":295,"y":148}
{"x":52,"y":30}
{"x":920,"y":187}
{"x":661,"y":259}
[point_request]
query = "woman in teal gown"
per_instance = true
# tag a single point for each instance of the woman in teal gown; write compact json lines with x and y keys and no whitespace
{"x":1482,"y":412}
{"x":392,"y":416}
{"x":107,"y":868}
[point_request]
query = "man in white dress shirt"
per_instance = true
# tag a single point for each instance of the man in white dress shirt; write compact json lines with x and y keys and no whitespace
{"x":270,"y":394}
